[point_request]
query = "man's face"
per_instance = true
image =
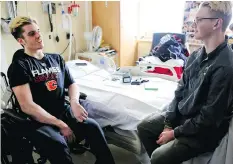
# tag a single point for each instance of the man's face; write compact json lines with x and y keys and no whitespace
{"x":203,"y":28}
{"x":31,"y":37}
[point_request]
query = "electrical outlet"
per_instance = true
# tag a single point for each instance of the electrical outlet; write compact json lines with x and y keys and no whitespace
{"x":67,"y":35}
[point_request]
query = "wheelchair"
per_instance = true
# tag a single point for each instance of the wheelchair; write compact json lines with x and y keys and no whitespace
{"x":11,"y":114}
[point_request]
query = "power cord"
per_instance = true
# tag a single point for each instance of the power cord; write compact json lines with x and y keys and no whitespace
{"x":65,"y":48}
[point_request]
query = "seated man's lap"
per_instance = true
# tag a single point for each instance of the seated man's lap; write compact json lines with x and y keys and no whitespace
{"x":153,"y":123}
{"x":175,"y":152}
{"x":81,"y":129}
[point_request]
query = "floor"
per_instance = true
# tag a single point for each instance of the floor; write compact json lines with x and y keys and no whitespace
{"x":120,"y":155}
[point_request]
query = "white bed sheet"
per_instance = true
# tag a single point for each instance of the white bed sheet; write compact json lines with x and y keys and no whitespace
{"x":97,"y":84}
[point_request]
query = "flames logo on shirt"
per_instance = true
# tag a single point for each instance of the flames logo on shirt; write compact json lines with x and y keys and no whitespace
{"x":51,"y":85}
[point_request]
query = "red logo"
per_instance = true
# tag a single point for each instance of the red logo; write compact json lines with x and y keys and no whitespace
{"x":51,"y":85}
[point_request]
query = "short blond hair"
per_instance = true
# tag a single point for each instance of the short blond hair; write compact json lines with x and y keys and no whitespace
{"x":220,"y":9}
{"x":17,"y":23}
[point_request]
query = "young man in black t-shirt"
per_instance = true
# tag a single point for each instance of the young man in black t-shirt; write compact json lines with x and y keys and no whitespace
{"x":38,"y":81}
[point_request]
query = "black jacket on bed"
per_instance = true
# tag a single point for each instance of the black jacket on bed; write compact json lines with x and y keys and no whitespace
{"x":203,"y":102}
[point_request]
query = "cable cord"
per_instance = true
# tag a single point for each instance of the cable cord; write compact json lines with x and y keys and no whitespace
{"x":66,"y":47}
{"x":50,"y":18}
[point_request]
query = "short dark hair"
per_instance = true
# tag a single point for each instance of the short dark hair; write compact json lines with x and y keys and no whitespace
{"x":16,"y":25}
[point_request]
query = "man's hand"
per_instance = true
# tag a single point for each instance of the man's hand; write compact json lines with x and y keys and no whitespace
{"x":66,"y":132}
{"x":79,"y":112}
{"x":166,"y":129}
{"x":166,"y":136}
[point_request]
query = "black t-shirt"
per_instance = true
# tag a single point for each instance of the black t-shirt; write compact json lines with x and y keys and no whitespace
{"x":47,"y":79}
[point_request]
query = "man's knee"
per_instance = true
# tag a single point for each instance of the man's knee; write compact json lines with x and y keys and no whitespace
{"x":142,"y":126}
{"x":92,"y":126}
{"x":91,"y":123}
{"x":161,"y":156}
{"x":152,"y":122}
{"x":157,"y":159}
{"x":51,"y":144}
{"x":49,"y":140}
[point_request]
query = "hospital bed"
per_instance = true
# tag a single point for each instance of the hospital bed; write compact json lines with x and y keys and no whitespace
{"x":99,"y":86}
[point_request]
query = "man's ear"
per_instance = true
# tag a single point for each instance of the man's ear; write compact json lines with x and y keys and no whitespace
{"x":218,"y":23}
{"x":21,"y":41}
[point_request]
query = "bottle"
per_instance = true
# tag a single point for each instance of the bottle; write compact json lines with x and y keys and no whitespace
{"x":65,"y":23}
{"x":75,"y":9}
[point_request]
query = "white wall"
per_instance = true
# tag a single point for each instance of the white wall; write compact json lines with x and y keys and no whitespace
{"x":34,"y":9}
{"x":3,"y":61}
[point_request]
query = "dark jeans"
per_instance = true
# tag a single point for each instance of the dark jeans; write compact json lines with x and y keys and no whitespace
{"x":53,"y":145}
{"x":174,"y":152}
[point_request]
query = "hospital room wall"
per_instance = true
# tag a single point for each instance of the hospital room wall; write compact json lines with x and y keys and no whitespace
{"x":118,"y":20}
{"x":107,"y":16}
{"x":34,"y":9}
{"x":144,"y":47}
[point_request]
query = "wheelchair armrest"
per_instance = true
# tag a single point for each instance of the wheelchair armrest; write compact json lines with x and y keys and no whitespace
{"x":82,"y":95}
{"x":15,"y":115}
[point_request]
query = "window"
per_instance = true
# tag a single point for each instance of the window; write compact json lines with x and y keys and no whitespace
{"x":160,"y":16}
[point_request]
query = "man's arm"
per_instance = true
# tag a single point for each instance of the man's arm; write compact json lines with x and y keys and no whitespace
{"x":24,"y":97}
{"x":79,"y":112}
{"x":213,"y":112}
{"x":172,"y":113}
{"x":73,"y":90}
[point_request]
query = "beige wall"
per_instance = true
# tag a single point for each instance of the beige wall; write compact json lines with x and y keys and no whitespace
{"x":144,"y":48}
{"x":128,"y":32}
{"x":108,"y":18}
{"x":34,"y":9}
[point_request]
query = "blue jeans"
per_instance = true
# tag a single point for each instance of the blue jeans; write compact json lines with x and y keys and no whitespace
{"x":53,"y":145}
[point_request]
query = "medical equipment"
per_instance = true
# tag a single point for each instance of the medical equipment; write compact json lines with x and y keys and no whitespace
{"x":126,"y":78}
{"x":102,"y":61}
{"x":50,"y":16}
{"x":67,"y":26}
{"x":5,"y":25}
{"x":139,"y":81}
{"x":12,"y":6}
{"x":12,"y":12}
{"x":141,"y":70}
{"x":74,"y":9}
